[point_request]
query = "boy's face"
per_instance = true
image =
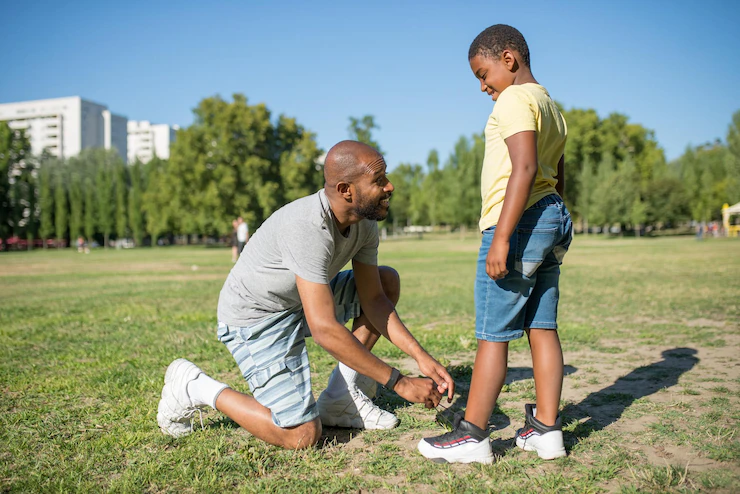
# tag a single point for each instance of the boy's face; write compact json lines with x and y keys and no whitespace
{"x":494,"y":75}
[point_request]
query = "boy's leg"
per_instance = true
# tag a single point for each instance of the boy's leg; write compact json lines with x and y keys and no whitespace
{"x":547,"y":365}
{"x":489,"y":374}
{"x":499,"y":318}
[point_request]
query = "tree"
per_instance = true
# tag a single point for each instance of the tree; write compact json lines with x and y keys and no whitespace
{"x":60,"y":202}
{"x":90,"y":207}
{"x":233,"y":161}
{"x":121,"y":189}
{"x":46,"y":199}
{"x":361,"y":129}
{"x":105,"y":207}
{"x":432,"y":188}
{"x":15,"y":148}
{"x":135,"y":218}
{"x":76,"y":199}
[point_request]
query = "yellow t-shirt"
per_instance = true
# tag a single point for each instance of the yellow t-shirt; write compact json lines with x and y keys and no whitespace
{"x":520,"y":108}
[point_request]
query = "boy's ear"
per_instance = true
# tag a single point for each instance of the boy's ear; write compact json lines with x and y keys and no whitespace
{"x":509,"y":60}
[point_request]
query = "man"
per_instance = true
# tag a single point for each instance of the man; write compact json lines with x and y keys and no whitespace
{"x":287,"y":285}
{"x":242,"y":234}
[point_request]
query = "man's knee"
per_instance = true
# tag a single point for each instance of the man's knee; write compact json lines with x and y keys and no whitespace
{"x":391,"y":282}
{"x":303,"y":436}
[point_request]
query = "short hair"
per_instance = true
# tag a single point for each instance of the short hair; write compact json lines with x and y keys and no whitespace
{"x":494,"y":40}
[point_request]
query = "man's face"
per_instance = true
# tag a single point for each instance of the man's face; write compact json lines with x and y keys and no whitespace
{"x":373,"y":191}
{"x":494,"y":75}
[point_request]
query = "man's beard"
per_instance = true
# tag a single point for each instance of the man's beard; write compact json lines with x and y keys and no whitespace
{"x":369,"y":210}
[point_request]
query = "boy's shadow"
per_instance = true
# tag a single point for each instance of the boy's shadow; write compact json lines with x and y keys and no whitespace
{"x":604,"y":407}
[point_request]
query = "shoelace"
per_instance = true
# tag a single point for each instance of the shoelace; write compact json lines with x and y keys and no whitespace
{"x":365,"y":403}
{"x":189,"y":415}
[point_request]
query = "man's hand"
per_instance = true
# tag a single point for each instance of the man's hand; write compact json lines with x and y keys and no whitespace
{"x":496,"y":258}
{"x":418,"y":390}
{"x":437,"y":372}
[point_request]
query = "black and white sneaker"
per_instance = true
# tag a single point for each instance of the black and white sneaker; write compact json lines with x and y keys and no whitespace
{"x":536,"y":436}
{"x":467,"y":443}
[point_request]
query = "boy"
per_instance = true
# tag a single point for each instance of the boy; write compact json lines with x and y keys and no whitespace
{"x":526,"y":232}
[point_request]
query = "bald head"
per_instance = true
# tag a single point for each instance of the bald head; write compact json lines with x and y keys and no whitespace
{"x":348,"y":160}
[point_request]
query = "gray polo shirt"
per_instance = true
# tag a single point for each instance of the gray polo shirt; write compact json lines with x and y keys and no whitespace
{"x":301,"y":238}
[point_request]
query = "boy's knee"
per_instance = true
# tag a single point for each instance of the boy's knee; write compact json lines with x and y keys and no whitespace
{"x":303,"y":436}
{"x":391,"y":282}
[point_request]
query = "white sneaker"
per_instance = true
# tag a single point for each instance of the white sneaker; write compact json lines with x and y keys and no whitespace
{"x":176,"y":410}
{"x":466,"y":443}
{"x":367,"y":385}
{"x":355,"y":410}
{"x":536,"y":436}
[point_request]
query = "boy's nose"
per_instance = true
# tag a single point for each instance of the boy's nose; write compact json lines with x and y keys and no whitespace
{"x":483,"y":87}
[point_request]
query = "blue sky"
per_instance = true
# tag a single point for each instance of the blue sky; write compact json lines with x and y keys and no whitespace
{"x":671,"y":66}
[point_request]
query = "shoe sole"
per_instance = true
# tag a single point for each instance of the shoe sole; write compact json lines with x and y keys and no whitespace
{"x":485,"y":461}
{"x":545,"y":455}
{"x":428,"y":452}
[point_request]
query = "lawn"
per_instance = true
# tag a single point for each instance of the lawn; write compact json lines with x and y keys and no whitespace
{"x":650,"y":329}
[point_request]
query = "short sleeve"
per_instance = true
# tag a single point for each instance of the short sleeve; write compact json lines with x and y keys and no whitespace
{"x":514,"y":113}
{"x":368,"y":253}
{"x":306,"y":251}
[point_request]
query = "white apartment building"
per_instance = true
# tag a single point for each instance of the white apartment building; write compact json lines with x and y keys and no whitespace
{"x":146,"y":140}
{"x":65,"y":126}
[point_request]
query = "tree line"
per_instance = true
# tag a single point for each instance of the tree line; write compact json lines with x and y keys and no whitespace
{"x":616,"y":174}
{"x":237,"y":160}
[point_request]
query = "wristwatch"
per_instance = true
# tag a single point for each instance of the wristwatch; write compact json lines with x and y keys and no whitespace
{"x":395,"y":376}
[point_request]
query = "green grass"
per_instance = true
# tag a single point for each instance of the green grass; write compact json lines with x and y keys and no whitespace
{"x":650,"y":329}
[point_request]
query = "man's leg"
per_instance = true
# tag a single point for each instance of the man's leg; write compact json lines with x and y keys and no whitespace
{"x":257,"y":420}
{"x":346,"y":400}
{"x":361,"y":326}
{"x":366,"y":334}
{"x":188,"y":390}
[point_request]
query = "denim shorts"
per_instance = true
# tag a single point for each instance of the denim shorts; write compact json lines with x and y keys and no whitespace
{"x":273,"y":359}
{"x":527,"y":297}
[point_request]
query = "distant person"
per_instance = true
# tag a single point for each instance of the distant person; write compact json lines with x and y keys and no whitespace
{"x":242,"y":234}
{"x":287,"y":285}
{"x":526,"y":232}
{"x":234,"y":241}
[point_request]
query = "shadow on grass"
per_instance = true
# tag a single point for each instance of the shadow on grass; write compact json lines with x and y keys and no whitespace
{"x":606,"y":406}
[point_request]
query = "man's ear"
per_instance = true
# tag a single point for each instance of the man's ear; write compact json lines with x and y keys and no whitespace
{"x":345,"y":190}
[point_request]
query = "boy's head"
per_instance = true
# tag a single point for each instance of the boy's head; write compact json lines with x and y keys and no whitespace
{"x":495,"y":56}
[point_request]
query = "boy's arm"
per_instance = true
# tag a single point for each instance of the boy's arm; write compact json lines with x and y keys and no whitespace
{"x":560,"y":186}
{"x":523,"y":152}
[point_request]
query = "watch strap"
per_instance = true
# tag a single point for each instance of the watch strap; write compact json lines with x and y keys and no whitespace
{"x":393,"y":380}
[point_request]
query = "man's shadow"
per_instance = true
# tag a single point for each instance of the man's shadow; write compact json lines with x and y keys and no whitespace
{"x":603,"y":408}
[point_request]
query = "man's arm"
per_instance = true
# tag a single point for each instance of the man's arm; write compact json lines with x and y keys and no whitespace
{"x":318,"y":305}
{"x":523,"y":152}
{"x":382,"y":315}
{"x":560,"y":186}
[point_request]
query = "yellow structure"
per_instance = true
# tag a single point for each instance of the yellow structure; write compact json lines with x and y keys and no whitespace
{"x":727,"y":211}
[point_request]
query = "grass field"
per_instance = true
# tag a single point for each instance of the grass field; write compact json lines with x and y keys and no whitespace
{"x":651,"y":403}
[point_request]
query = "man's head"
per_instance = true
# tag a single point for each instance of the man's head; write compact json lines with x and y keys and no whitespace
{"x":354,"y":173}
{"x":496,"y":55}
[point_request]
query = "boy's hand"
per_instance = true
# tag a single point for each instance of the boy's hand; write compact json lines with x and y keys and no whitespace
{"x":433,"y":369}
{"x":496,"y":258}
